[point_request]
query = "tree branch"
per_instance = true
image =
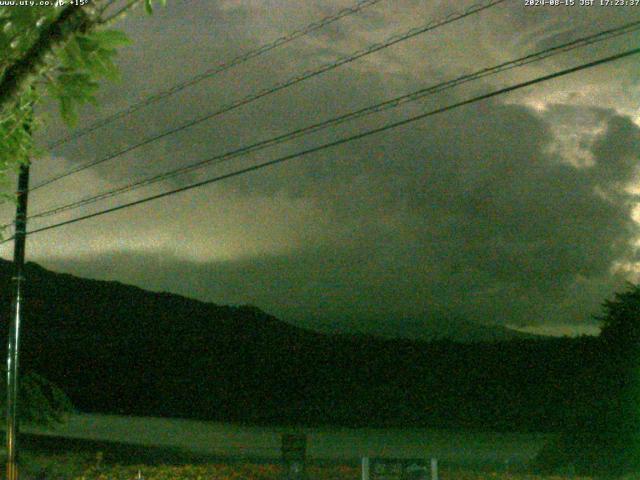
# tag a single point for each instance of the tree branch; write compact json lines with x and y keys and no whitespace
{"x":119,"y":13}
{"x":106,"y":6}
{"x":73,"y":19}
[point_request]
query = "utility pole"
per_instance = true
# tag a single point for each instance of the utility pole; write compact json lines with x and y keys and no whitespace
{"x":16,"y":316}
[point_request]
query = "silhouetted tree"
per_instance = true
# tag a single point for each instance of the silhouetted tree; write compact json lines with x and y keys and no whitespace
{"x":41,"y":402}
{"x":606,"y":439}
{"x":621,"y":322}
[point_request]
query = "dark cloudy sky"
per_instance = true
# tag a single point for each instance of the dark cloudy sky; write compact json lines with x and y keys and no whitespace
{"x":519,"y":211}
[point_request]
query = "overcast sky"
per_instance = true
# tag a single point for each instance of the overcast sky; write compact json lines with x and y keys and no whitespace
{"x":521,"y":210}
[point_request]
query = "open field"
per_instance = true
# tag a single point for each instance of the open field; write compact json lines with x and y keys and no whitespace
{"x":217,"y":440}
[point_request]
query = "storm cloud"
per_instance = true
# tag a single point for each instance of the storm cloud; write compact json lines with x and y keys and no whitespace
{"x":516,"y":211}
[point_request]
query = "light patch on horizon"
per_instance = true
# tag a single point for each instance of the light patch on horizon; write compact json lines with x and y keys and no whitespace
{"x":225,"y":231}
{"x":635,"y":214}
{"x":630,"y":270}
{"x":559,"y":330}
{"x":539,"y":106}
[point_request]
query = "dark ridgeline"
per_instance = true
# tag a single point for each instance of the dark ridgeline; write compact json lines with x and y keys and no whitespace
{"x":119,"y":349}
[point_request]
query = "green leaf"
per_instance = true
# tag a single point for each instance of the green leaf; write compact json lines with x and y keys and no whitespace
{"x":73,"y":56}
{"x":68,"y":112}
{"x":111,"y":38}
{"x":69,"y":73}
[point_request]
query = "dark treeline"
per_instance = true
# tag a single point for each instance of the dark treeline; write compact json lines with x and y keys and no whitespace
{"x":119,"y":349}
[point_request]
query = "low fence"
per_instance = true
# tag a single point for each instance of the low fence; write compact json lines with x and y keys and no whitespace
{"x":294,"y":458}
{"x":399,"y":469}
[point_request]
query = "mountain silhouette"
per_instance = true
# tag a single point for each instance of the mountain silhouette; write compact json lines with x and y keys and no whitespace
{"x":116,"y":348}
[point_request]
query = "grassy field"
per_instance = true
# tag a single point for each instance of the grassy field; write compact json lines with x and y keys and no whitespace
{"x":222,"y":440}
{"x":109,"y":447}
{"x":49,"y":457}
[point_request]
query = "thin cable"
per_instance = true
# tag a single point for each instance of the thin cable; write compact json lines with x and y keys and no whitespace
{"x":360,"y":5}
{"x":283,"y":85}
{"x":379,"y":107}
{"x":341,"y":141}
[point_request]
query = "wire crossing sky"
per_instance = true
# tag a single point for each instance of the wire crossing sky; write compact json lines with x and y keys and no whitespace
{"x":392,"y":103}
{"x":357,"y":7}
{"x":393,"y":40}
{"x":341,"y":141}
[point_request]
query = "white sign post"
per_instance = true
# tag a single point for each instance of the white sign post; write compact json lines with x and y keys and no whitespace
{"x":397,"y":469}
{"x":365,"y":468}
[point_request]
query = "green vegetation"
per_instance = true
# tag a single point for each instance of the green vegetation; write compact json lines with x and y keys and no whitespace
{"x":604,"y":436}
{"x":83,"y":466}
{"x":56,"y":52}
{"x":60,"y":53}
{"x":239,"y":364}
{"x":118,"y":349}
{"x":40,"y":403}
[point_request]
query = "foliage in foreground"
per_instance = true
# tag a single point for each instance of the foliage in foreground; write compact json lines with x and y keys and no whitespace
{"x":40,"y":402}
{"x":605,"y":438}
{"x":274,"y":472}
{"x":593,"y":453}
{"x":59,"y":52}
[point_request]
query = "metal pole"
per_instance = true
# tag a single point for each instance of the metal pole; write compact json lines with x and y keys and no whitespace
{"x":365,"y":468}
{"x":14,"y":328}
{"x":434,"y":469}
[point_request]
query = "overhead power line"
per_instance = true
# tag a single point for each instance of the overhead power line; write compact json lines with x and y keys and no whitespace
{"x":379,"y":107}
{"x":312,"y":27}
{"x":343,"y":140}
{"x":432,"y":25}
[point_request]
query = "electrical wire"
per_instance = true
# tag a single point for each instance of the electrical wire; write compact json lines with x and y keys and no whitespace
{"x":341,"y":141}
{"x":476,"y":8}
{"x":360,"y":5}
{"x":379,"y":107}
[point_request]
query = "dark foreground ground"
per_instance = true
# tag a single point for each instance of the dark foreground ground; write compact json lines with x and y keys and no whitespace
{"x":53,"y":457}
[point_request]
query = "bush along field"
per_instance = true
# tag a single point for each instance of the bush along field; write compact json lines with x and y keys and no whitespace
{"x":75,"y":466}
{"x":247,"y":472}
{"x":272,"y":472}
